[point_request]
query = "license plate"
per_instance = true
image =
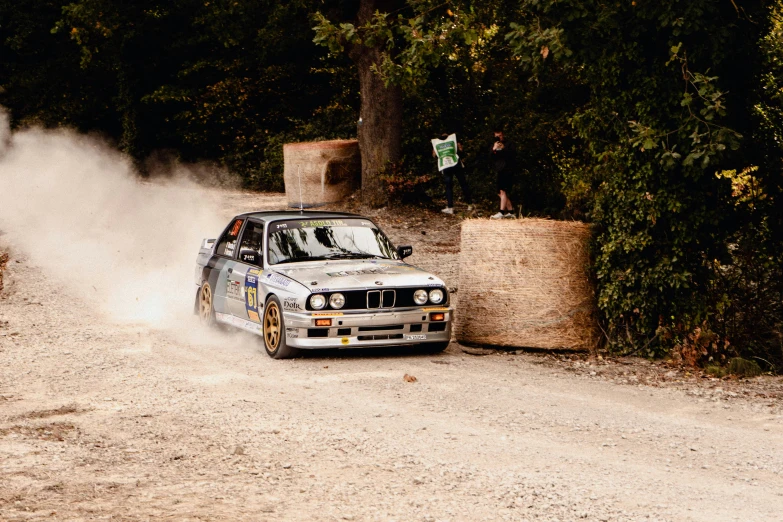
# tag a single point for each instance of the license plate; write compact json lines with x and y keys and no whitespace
{"x":415,"y":337}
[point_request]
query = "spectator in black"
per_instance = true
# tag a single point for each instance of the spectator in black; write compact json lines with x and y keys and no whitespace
{"x":502,"y":162}
{"x":457,"y":170}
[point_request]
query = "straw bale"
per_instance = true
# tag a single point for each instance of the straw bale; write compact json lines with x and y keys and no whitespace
{"x":525,"y":283}
{"x":321,"y":172}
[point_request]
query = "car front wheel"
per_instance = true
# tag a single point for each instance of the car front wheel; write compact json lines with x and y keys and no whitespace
{"x":274,"y":331}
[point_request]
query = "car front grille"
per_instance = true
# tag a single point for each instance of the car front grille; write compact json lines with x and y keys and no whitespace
{"x":380,"y":299}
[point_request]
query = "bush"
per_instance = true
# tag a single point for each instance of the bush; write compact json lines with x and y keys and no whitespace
{"x":716,"y":371}
{"x":743,"y":367}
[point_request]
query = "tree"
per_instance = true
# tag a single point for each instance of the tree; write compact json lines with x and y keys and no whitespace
{"x":367,"y":41}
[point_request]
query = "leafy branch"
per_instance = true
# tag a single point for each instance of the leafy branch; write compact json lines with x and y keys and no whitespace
{"x":532,"y":44}
{"x":409,"y":46}
{"x":704,"y":104}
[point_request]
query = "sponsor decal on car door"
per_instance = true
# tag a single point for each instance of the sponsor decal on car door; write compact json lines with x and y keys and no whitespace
{"x":235,"y":293}
{"x":252,"y":299}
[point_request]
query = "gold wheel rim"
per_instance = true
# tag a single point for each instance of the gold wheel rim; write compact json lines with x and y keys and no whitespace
{"x":205,"y":303}
{"x":272,"y":327}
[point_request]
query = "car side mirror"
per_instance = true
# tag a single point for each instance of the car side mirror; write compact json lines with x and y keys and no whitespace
{"x":404,"y":251}
{"x":250,"y":256}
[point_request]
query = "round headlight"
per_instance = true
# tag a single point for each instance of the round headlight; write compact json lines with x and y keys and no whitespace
{"x":436,"y":295}
{"x":337,"y":301}
{"x":317,"y":301}
{"x":420,"y":297}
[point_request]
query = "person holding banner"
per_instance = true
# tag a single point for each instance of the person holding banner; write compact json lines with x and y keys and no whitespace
{"x":447,"y":150}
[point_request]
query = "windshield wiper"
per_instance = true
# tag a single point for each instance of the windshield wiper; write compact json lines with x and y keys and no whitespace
{"x":302,"y":258}
{"x":352,"y":255}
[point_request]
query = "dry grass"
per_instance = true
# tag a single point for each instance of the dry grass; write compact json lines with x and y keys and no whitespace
{"x":330,"y":171}
{"x":524,"y":283}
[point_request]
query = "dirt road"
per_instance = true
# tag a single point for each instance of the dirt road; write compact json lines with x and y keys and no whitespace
{"x":114,"y":420}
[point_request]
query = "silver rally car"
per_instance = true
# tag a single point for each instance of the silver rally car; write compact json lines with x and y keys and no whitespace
{"x":309,"y":280}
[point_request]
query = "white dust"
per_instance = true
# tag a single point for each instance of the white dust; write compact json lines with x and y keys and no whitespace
{"x":77,"y":209}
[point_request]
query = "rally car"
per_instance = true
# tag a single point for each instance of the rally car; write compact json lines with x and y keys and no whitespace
{"x":310,"y":280}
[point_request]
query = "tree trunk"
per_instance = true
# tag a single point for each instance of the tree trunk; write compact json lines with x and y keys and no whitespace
{"x":380,"y":130}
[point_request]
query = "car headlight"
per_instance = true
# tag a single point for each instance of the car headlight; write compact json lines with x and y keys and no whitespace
{"x":420,"y":297}
{"x":317,"y":301}
{"x":337,"y":301}
{"x":436,"y":296}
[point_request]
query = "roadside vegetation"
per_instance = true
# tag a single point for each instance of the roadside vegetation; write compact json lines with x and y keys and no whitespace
{"x":660,"y":123}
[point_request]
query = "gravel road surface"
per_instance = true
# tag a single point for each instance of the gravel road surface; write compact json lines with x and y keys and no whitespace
{"x":116,"y":420}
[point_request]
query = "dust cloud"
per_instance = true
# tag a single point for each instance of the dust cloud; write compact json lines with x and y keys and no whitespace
{"x":75,"y":208}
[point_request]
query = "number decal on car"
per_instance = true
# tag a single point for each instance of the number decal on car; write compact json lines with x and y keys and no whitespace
{"x":251,"y":291}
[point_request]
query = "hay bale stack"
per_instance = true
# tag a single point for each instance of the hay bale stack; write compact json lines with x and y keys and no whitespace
{"x":524,"y":283}
{"x":329,"y":170}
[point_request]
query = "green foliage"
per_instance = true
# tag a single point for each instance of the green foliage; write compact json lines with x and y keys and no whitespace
{"x":716,"y":371}
{"x":40,"y":79}
{"x":412,"y":42}
{"x":226,"y":81}
{"x":743,"y":367}
{"x":474,"y":89}
{"x":668,"y":108}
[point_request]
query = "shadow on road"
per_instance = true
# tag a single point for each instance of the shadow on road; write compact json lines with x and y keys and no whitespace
{"x":380,"y":352}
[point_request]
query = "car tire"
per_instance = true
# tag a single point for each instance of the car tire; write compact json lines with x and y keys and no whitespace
{"x":206,"y":305}
{"x":435,"y":347}
{"x":274,"y":331}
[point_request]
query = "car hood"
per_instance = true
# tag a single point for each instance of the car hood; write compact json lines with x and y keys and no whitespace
{"x":357,"y":274}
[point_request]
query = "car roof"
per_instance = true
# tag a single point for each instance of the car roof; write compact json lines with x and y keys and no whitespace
{"x":274,"y":215}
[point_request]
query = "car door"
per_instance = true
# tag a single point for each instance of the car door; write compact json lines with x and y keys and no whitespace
{"x":243,"y":280}
{"x":223,"y":264}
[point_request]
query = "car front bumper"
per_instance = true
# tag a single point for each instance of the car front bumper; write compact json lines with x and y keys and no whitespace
{"x":363,"y":329}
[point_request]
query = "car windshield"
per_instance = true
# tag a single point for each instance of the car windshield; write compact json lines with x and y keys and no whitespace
{"x":326,"y":239}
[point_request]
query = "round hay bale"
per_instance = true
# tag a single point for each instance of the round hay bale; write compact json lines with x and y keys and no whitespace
{"x":321,"y":172}
{"x":525,"y":283}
